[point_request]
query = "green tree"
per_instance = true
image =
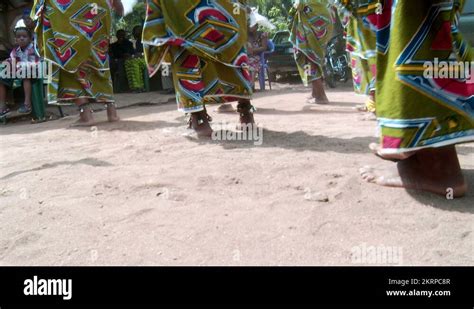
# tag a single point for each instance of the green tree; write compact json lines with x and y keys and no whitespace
{"x":275,"y":10}
{"x":135,"y":18}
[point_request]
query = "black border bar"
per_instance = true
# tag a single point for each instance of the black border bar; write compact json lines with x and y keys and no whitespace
{"x":288,"y":286}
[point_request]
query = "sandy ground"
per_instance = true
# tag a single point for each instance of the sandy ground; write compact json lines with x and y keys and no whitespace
{"x":146,"y":192}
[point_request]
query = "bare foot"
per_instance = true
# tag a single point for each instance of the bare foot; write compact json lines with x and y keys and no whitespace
{"x":199,"y":122}
{"x":377,"y":150}
{"x":432,"y":170}
{"x":86,"y":119}
{"x":319,"y":101}
{"x":225,"y":108}
{"x":246,"y":118}
{"x":318,"y":93}
{"x":112,"y":113}
{"x":81,"y":123}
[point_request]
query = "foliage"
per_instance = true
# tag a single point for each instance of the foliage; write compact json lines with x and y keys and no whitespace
{"x":277,"y":11}
{"x":135,"y":18}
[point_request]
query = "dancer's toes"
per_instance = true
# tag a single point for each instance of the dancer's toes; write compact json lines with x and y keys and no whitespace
{"x":382,"y":176}
{"x":367,"y":173}
{"x":433,"y":170}
{"x":369,"y":177}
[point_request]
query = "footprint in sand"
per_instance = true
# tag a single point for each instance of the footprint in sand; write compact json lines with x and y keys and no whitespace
{"x":24,"y":240}
{"x":134,"y":215}
{"x":207,"y":180}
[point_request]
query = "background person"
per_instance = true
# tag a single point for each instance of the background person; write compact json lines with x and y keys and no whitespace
{"x":135,"y":66}
{"x":122,"y":49}
{"x":24,"y":55}
{"x":257,"y":44}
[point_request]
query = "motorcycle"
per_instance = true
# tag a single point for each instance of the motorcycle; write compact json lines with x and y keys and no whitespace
{"x":336,"y":64}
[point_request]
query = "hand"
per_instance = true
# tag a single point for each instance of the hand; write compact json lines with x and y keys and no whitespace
{"x":118,"y":7}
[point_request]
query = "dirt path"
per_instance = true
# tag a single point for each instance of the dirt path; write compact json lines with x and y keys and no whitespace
{"x":145,"y":192}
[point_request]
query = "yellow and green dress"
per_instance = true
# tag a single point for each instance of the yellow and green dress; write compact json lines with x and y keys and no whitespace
{"x":311,"y":26}
{"x":205,"y":43}
{"x":360,"y":20}
{"x":416,"y":107}
{"x":74,"y":36}
{"x":135,"y":69}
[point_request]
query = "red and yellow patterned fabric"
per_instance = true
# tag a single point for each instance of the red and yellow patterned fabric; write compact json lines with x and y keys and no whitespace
{"x":74,"y":35}
{"x":312,"y":25}
{"x":422,"y":102}
{"x":205,"y":42}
